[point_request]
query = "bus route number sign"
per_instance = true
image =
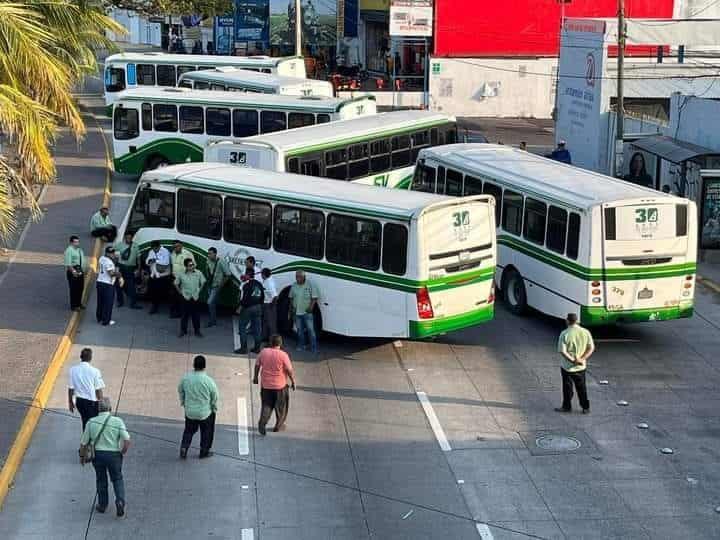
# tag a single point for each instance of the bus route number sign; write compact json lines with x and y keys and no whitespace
{"x":461,"y":224}
{"x":237,"y":158}
{"x":646,"y":215}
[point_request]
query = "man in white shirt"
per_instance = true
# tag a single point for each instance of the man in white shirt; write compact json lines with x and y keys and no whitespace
{"x":269,"y":305}
{"x":85,"y":385}
{"x":105,"y":284}
{"x":158,"y":259}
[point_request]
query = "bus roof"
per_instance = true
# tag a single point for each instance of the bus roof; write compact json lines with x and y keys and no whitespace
{"x":229,"y":74}
{"x":322,"y":135}
{"x":196,"y":59}
{"x":571,"y":185}
{"x":294,"y":188}
{"x":237,"y":99}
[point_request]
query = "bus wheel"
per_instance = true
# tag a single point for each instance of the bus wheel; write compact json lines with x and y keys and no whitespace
{"x":156,"y":162}
{"x":514,"y":292}
{"x":284,"y":321}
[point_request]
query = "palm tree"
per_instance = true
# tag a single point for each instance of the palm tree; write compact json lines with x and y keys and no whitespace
{"x":46,"y":48}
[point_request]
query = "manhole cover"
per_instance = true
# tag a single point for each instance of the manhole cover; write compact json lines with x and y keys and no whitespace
{"x":558,"y":443}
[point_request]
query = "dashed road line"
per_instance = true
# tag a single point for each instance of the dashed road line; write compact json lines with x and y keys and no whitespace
{"x":247,"y":534}
{"x":484,"y":531}
{"x":243,"y":437}
{"x":434,"y":422}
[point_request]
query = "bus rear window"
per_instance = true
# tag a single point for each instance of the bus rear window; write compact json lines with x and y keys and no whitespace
{"x":125,"y":124}
{"x":114,"y":79}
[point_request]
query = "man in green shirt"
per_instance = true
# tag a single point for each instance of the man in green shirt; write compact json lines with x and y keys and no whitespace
{"x":304,"y":295}
{"x":188,"y":285}
{"x":199,"y":397}
{"x":111,"y":440}
{"x":218,"y":274}
{"x":575,"y":346}
{"x":75,"y":266}
{"x":101,"y":226}
{"x":177,"y":263}
{"x":128,"y":252}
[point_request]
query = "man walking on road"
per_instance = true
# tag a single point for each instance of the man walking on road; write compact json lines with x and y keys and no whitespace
{"x":575,"y":345}
{"x":304,"y":295}
{"x":158,"y":259}
{"x":274,"y":367}
{"x":189,"y":284}
{"x":86,"y":386}
{"x":199,"y":396}
{"x":102,"y":227}
{"x":269,"y":316}
{"x":177,"y":259}
{"x":107,"y":274}
{"x":127,"y":251}
{"x":111,"y":440}
{"x":218,"y":276}
{"x":75,"y":265}
{"x":251,"y":303}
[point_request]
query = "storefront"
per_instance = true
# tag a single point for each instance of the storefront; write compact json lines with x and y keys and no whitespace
{"x":374,"y":34}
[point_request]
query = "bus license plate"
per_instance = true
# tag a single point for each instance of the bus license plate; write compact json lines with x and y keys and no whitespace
{"x":645,"y":294}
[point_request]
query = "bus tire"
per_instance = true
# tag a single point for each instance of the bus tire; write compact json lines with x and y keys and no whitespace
{"x":156,"y":162}
{"x":514,"y":293}
{"x":284,"y":320}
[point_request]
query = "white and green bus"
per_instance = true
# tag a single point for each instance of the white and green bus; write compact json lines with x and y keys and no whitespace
{"x":156,"y":127}
{"x":129,"y":70}
{"x":572,"y":240}
{"x":380,"y":150}
{"x":389,"y":263}
{"x":241,"y":80}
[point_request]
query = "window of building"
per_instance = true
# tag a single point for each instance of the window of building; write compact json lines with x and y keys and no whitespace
{"x":534,"y":222}
{"x":217,"y":121}
{"x":166,"y":75}
{"x":125,"y":123}
{"x":512,"y":212}
{"x":191,"y":120}
{"x":359,"y":161}
{"x":496,"y":192}
{"x":272,"y":121}
{"x":394,"y":254}
{"x":146,"y":74}
{"x":296,"y":120}
{"x":115,"y":79}
{"x":473,"y":186}
{"x":245,"y":122}
{"x":299,"y":231}
{"x":380,"y":155}
{"x":353,"y":241}
{"x":147,"y":116}
{"x":248,"y":222}
{"x":200,"y":214}
{"x":184,"y":69}
{"x":165,"y":117}
{"x":453,"y":183}
{"x":556,"y":229}
{"x":152,"y":209}
{"x":424,"y":179}
{"x":573,"y":237}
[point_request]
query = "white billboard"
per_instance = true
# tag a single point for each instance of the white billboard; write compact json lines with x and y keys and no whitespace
{"x":411,"y":18}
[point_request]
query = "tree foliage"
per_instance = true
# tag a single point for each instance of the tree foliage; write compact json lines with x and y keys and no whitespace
{"x":207,"y":8}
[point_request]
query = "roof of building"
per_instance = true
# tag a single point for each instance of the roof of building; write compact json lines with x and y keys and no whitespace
{"x":673,"y":150}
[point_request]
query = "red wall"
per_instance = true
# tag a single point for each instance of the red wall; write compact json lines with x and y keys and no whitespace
{"x":474,"y":28}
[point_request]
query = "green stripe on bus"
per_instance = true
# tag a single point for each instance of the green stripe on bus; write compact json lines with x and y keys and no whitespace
{"x":589,"y":274}
{"x":441,"y":325}
{"x":174,"y":149}
{"x":594,"y":316}
{"x":405,"y":183}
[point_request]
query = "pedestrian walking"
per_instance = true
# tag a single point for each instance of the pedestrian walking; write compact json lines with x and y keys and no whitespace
{"x":86,"y":386}
{"x":188,"y":285}
{"x":575,"y":346}
{"x":561,"y":153}
{"x":75,"y":267}
{"x":218,"y":275}
{"x":251,"y":301}
{"x":105,"y":285}
{"x":177,"y":261}
{"x":111,"y":440}
{"x":304,"y":296}
{"x":274,"y":368}
{"x":269,"y":316}
{"x":128,"y":252}
{"x":158,"y":260}
{"x":101,"y":226}
{"x":199,"y":397}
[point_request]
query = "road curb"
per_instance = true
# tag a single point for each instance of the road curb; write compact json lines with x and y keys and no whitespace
{"x":710,"y":284}
{"x":47,"y":382}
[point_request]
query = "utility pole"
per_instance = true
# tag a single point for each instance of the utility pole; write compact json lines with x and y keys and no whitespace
{"x":298,"y":28}
{"x":620,"y":95}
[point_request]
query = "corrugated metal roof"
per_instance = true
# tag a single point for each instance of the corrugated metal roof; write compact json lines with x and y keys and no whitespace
{"x":673,"y":150}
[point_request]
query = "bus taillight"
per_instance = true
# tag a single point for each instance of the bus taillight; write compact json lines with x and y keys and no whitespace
{"x":424,"y":305}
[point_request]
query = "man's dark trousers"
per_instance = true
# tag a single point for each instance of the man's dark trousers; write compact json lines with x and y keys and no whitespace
{"x":207,"y":433}
{"x":108,"y":463}
{"x":76,"y":284}
{"x":190,"y":310}
{"x":274,"y":400}
{"x":105,"y":299}
{"x":577,"y":378}
{"x":128,"y":274}
{"x":87,"y":409}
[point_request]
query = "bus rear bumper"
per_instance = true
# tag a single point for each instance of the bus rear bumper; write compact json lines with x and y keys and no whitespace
{"x":442,"y":325}
{"x":598,"y":316}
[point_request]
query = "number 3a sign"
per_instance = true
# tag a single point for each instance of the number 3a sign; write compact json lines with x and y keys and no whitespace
{"x":646,"y":215}
{"x":461,"y":219}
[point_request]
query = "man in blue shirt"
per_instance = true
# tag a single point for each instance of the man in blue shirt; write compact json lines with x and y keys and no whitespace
{"x":561,"y":153}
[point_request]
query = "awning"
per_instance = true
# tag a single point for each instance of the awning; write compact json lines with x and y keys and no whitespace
{"x":672,"y":150}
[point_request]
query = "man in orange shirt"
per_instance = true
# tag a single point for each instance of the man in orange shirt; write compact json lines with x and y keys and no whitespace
{"x":274,"y":368}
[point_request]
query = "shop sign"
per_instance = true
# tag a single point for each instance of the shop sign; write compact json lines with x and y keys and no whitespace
{"x":436,"y":68}
{"x":710,"y":213}
{"x":411,"y":18}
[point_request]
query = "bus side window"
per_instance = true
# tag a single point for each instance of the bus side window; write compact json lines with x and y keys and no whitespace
{"x":166,"y":75}
{"x":114,"y":79}
{"x":323,"y":118}
{"x":573,"y":240}
{"x":496,"y":192}
{"x":556,"y":229}
{"x":299,"y":231}
{"x":146,"y":74}
{"x":217,"y":122}
{"x":248,"y":222}
{"x":201,"y":85}
{"x":512,"y":212}
{"x":420,"y":140}
{"x":424,"y":179}
{"x":380,"y":152}
{"x":218,"y":87}
{"x":184,"y":69}
{"x":359,"y":164}
{"x":298,"y":119}
{"x":147,"y":118}
{"x":191,"y":120}
{"x":152,"y":209}
{"x":125,"y":123}
{"x":293,"y":165}
{"x":353,"y":241}
{"x":272,"y":121}
{"x":310,"y":167}
{"x":199,"y":214}
{"x":434,"y":137}
{"x":453,"y":183}
{"x":336,"y":164}
{"x":473,"y":186}
{"x":400,"y":151}
{"x":534,"y":222}
{"x":245,"y":122}
{"x":394,"y":255}
{"x":185,"y":84}
{"x":266,"y":70}
{"x":450,"y":134}
{"x":165,"y":117}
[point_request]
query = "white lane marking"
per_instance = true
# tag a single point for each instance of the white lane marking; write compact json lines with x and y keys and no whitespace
{"x":484,"y":531}
{"x":248,"y":534}
{"x":236,"y":334}
{"x":434,"y":422}
{"x":243,"y":439}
